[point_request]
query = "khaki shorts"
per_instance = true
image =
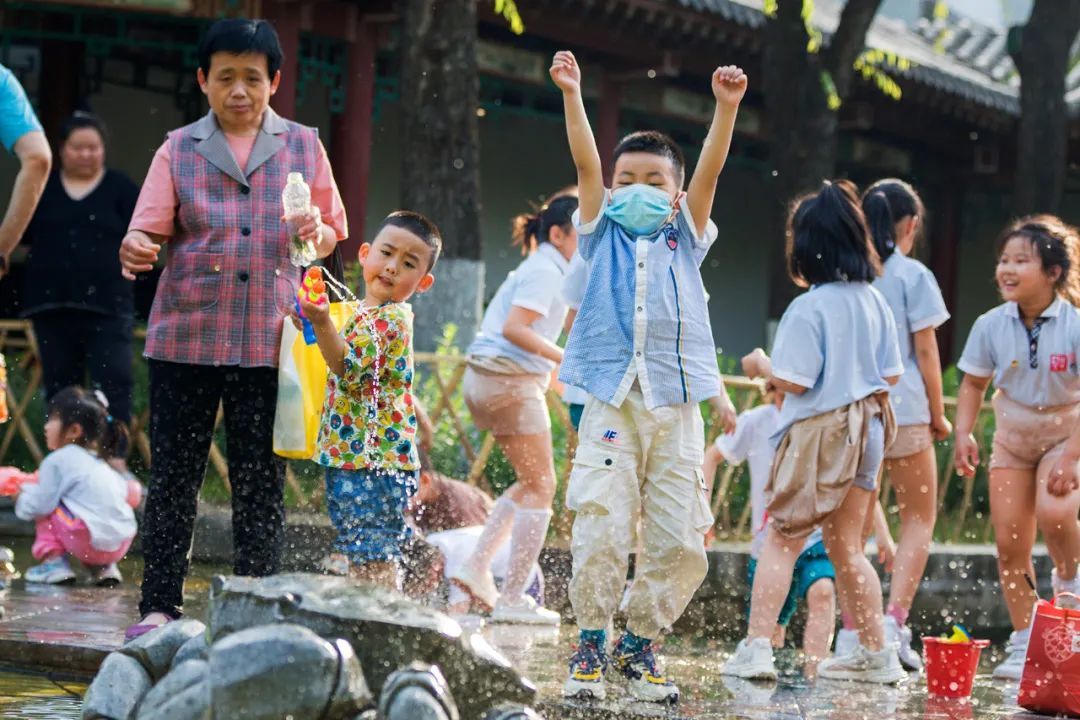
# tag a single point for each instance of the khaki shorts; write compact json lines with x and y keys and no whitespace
{"x":507,"y":404}
{"x":910,"y":440}
{"x":1026,"y":436}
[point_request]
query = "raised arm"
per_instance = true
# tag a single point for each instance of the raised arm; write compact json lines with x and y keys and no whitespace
{"x":728,"y":86}
{"x":566,"y":74}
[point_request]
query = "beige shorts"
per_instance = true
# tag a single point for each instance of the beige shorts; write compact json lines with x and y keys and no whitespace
{"x":1026,"y":436}
{"x":910,"y":440}
{"x":507,"y":404}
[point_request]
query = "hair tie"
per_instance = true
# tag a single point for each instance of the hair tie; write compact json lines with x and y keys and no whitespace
{"x":109,"y":419}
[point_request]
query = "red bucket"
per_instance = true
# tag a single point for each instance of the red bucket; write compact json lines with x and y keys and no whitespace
{"x":950,"y":667}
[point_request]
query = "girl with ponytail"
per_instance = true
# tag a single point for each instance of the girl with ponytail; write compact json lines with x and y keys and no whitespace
{"x":894,"y":213}
{"x":835,"y":358}
{"x":509,"y":367}
{"x":81,"y":506}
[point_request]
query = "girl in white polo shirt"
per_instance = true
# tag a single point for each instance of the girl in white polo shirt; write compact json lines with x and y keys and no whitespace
{"x":894,"y":213}
{"x":509,"y":367}
{"x":1028,"y":347}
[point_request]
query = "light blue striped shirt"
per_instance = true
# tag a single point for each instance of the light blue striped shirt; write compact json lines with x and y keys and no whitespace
{"x":644,"y":315}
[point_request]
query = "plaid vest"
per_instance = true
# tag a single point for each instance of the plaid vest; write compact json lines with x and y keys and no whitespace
{"x":228,"y":283}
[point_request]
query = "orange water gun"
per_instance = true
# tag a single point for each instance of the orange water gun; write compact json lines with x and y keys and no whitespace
{"x":312,"y":289}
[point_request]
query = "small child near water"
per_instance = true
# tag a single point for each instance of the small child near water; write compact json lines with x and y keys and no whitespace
{"x":367,"y":440}
{"x":81,"y":506}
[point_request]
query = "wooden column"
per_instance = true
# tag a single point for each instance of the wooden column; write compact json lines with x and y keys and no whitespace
{"x":350,"y":138}
{"x":607,"y":124}
{"x":945,"y":257}
{"x":286,"y":20}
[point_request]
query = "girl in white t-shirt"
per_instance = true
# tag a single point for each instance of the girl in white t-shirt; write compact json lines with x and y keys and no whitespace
{"x":509,"y":368}
{"x":894,"y":213}
{"x":81,"y":506}
{"x":1028,"y":346}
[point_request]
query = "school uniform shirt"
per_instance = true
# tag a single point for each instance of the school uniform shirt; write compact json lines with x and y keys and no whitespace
{"x":369,"y":418}
{"x":1034,"y":367}
{"x":573,"y":290}
{"x":751,"y":443}
{"x":228,"y":282}
{"x":16,"y":114}
{"x":89,"y":488}
{"x":644,"y":315}
{"x":838,"y":340}
{"x":535,"y":285}
{"x":457,"y":546}
{"x":916,"y":303}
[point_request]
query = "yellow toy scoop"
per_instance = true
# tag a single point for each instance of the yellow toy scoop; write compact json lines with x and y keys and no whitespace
{"x":959,"y":635}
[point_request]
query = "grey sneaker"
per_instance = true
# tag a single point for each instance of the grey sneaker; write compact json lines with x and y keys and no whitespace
{"x":106,"y":575}
{"x":752,"y":660}
{"x":882,"y":667}
{"x":52,"y":572}
{"x":846,"y":641}
{"x":1012,"y":668}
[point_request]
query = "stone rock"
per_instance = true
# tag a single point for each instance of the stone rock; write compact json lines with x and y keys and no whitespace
{"x":155,"y":649}
{"x":506,"y":712}
{"x":418,"y":692}
{"x":197,"y":648}
{"x":117,"y":689}
{"x":387,"y":631}
{"x":183,"y":694}
{"x":282,"y":670}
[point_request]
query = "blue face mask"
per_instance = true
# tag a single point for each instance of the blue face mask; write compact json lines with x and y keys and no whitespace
{"x":641,"y":209}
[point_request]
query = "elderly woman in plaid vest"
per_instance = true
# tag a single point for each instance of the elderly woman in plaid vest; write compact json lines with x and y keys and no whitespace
{"x":213,"y":192}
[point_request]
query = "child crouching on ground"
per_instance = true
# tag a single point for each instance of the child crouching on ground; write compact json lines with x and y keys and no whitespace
{"x":836,"y":357}
{"x":81,"y":506}
{"x":367,"y":440}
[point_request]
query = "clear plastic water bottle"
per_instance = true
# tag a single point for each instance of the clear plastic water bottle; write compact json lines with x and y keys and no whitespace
{"x":296,"y":201}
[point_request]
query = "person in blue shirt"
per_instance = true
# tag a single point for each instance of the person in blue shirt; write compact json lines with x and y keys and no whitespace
{"x":20,"y":134}
{"x":642,"y":348}
{"x":835,"y":357}
{"x":894,"y":213}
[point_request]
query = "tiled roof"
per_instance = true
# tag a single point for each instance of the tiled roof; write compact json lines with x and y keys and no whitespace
{"x":957,"y":56}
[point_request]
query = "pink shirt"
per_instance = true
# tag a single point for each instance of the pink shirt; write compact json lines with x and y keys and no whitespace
{"x":155,"y":212}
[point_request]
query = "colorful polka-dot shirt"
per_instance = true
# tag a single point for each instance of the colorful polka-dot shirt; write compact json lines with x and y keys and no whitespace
{"x":368,"y":419}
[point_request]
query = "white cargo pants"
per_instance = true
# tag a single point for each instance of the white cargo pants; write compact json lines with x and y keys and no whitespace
{"x":637,"y":464}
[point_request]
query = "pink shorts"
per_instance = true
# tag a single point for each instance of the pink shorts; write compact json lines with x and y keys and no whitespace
{"x":64,"y":534}
{"x":910,"y":440}
{"x":507,"y":404}
{"x":1025,"y":436}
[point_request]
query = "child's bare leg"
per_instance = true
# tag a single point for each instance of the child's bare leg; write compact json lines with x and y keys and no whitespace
{"x":820,"y":619}
{"x":379,"y":573}
{"x":772,"y":581}
{"x":779,"y":636}
{"x":534,"y":469}
{"x":915,"y":480}
{"x":1012,"y":513}
{"x":858,"y":584}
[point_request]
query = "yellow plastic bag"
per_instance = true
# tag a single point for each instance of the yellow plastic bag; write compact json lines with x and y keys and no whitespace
{"x":302,"y":388}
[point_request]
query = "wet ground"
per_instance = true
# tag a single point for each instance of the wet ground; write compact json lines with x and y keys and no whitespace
{"x":68,"y":629}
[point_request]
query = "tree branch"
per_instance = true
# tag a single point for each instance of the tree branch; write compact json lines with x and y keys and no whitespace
{"x":848,"y":42}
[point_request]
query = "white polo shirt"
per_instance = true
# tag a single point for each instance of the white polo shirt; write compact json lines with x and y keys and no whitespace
{"x":916,"y":303}
{"x":1034,"y":369}
{"x":535,"y":285}
{"x":573,"y":290}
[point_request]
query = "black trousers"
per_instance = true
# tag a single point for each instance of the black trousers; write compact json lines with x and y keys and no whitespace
{"x":183,"y":406}
{"x":76,"y":342}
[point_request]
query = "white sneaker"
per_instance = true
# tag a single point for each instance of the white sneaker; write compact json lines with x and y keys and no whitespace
{"x":846,"y":642}
{"x":1012,"y":668}
{"x":900,"y":635}
{"x":480,"y":585}
{"x":106,"y":575}
{"x":52,"y":572}
{"x":1065,"y":586}
{"x":526,"y":612}
{"x":881,"y":667}
{"x":752,"y":660}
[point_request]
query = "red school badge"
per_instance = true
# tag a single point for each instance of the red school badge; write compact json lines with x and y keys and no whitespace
{"x":1059,"y":362}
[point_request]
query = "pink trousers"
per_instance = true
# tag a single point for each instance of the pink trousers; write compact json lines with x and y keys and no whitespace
{"x":64,"y":534}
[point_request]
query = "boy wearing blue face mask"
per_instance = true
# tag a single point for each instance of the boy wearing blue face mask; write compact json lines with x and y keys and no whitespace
{"x":642,"y":347}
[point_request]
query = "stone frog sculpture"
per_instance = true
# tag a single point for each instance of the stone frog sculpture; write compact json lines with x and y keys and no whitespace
{"x":308,"y":646}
